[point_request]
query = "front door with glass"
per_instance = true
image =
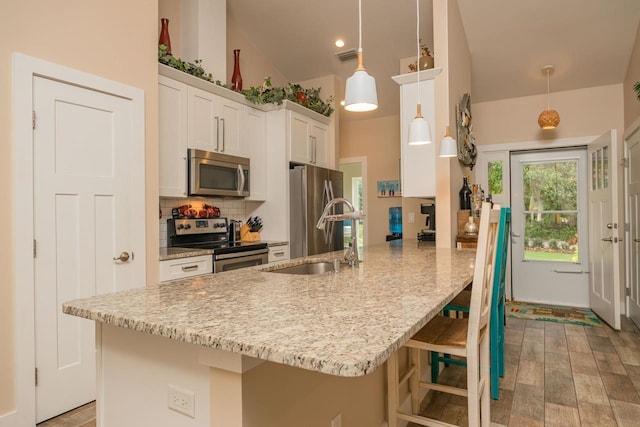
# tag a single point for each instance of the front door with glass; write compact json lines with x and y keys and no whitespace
{"x":550,"y":228}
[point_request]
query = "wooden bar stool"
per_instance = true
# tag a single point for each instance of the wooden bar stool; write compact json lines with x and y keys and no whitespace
{"x":468,"y":337}
{"x":461,"y":304}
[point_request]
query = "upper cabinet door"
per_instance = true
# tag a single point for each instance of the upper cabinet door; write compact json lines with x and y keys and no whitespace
{"x":418,"y":161}
{"x":214,"y":123}
{"x":204,"y":121}
{"x":308,"y":141}
{"x":230,"y":119}
{"x":300,"y":140}
{"x":255,"y":142}
{"x":320,"y":144}
{"x":172,"y":97}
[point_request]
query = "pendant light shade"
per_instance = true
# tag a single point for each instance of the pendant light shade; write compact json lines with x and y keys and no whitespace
{"x":360,"y":90}
{"x":360,"y":93}
{"x":448,"y":146}
{"x":419,"y":129}
{"x":548,"y":119}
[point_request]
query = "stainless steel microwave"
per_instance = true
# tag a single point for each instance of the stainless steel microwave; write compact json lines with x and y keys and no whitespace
{"x":216,"y":174}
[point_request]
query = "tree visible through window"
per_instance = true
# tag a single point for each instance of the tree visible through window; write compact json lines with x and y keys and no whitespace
{"x":495,"y":177}
{"x":551,"y":211}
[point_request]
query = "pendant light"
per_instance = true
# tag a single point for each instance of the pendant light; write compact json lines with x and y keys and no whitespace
{"x":448,"y":145}
{"x":419,"y":129}
{"x":548,"y":119}
{"x":360,"y":90}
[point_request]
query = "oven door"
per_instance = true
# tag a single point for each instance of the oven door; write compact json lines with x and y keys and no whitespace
{"x":233,"y":261}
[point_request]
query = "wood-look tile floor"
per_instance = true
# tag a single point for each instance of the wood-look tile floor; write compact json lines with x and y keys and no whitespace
{"x":84,"y":416}
{"x":557,"y":375}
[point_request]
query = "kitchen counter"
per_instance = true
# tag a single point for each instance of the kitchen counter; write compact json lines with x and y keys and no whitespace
{"x":177,"y":253}
{"x":344,"y":324}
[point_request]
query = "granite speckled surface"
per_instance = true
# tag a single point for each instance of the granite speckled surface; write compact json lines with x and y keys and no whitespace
{"x":177,"y":253}
{"x":345,"y":323}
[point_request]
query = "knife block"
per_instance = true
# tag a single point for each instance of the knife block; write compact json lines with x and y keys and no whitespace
{"x":247,"y":235}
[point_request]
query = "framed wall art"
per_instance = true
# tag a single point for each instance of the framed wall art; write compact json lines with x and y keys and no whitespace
{"x":389,"y":189}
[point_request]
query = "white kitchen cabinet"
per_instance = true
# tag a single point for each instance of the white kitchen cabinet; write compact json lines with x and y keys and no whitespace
{"x":308,"y":140}
{"x":182,"y":268}
{"x":279,"y":253}
{"x":418,"y":161}
{"x":254,"y":135}
{"x":213,"y":123}
{"x":172,"y":112}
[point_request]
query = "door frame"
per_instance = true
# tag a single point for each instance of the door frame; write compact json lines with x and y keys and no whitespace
{"x":24,"y":69}
{"x":631,"y":130}
{"x":363,"y":164}
{"x":485,"y":152}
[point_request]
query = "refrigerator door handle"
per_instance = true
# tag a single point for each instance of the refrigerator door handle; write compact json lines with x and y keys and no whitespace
{"x":326,"y":197}
{"x":333,"y":224}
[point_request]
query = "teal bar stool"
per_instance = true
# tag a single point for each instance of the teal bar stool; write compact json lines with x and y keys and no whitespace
{"x":461,"y":304}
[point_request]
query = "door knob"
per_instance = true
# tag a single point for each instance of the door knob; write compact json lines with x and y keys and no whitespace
{"x":124,"y":257}
{"x":608,"y":239}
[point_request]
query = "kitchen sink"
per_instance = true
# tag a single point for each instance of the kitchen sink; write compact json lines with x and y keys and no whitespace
{"x":316,"y":267}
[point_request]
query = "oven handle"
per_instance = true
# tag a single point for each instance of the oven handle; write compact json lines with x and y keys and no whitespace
{"x":241,"y":254}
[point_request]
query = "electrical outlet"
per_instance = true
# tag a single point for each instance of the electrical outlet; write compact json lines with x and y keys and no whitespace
{"x":182,"y":400}
{"x":412,"y":217}
{"x":337,"y":420}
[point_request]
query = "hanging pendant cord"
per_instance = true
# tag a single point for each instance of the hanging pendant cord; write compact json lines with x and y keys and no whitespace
{"x":548,"y":88}
{"x":418,"y":41}
{"x":359,"y":25}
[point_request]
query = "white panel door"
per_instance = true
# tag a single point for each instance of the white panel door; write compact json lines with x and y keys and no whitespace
{"x":550,"y":261}
{"x":633,"y":218}
{"x":604,"y":232}
{"x":83,"y":194}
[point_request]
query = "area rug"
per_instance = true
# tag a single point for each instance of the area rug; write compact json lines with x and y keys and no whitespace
{"x":552,"y":313}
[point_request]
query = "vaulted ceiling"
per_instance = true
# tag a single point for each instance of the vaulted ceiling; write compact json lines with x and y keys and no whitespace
{"x":588,"y":41}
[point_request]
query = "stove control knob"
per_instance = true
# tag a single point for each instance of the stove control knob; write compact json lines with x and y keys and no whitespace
{"x":187,"y":226}
{"x":179,"y":226}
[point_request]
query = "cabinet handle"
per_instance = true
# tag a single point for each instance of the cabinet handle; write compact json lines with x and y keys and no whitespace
{"x":223,"y":134}
{"x":279,"y":253}
{"x":636,"y":240}
{"x":310,"y":149}
{"x":190,"y":267}
{"x":315,"y":150}
{"x":217,"y":133}
{"x":186,"y":167}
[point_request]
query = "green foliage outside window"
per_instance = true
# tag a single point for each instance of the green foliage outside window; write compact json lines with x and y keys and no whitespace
{"x":495,"y":177}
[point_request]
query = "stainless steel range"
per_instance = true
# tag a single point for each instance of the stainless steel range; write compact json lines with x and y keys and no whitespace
{"x":213,"y":233}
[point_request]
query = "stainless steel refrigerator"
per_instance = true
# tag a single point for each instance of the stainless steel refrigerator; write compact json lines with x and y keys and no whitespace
{"x":311,"y":187}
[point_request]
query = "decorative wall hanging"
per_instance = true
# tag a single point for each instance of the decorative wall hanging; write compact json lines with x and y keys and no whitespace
{"x":467,"y":150}
{"x":389,"y":189}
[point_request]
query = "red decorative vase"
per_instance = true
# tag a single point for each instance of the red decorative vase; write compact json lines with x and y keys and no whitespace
{"x":164,"y":34}
{"x":236,"y":78}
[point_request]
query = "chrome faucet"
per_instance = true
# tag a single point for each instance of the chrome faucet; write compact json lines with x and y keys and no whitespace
{"x":351,"y":254}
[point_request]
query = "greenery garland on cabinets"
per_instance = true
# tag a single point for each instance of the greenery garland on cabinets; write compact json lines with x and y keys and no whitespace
{"x":265,"y":94}
{"x":636,"y":87}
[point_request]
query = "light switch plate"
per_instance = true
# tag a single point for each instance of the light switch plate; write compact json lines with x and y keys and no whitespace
{"x":412,"y":217}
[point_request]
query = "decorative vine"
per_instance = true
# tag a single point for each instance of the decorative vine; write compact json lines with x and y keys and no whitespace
{"x":636,"y":87}
{"x":264,"y":94}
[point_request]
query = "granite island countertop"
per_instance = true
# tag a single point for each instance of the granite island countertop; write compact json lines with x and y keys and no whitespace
{"x":345,"y":323}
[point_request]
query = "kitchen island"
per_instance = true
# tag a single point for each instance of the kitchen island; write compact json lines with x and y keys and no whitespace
{"x":343,"y":324}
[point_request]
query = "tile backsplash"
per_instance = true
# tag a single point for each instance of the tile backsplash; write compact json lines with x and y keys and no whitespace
{"x":229,"y":208}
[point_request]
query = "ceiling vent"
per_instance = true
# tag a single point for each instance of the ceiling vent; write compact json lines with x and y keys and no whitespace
{"x":347,"y":55}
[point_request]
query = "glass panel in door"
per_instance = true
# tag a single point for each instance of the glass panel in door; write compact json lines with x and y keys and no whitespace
{"x":550,"y":211}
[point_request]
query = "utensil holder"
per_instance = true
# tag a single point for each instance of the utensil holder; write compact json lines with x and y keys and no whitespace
{"x":248,"y":236}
